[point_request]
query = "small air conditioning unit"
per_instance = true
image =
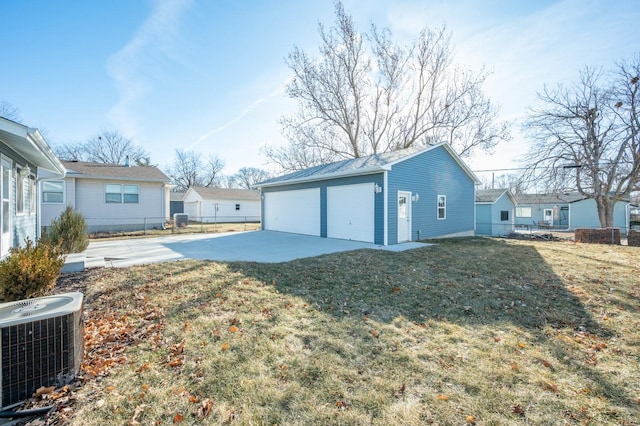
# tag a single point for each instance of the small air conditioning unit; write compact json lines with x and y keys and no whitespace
{"x":180,"y":220}
{"x":41,"y":344}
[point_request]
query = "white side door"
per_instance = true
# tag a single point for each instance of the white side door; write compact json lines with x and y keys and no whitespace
{"x":404,"y":216}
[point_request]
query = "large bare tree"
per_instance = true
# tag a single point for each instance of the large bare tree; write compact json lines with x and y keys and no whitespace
{"x":247,"y":176}
{"x":108,"y":146}
{"x":9,"y":111}
{"x":190,"y":168}
{"x":587,"y":137}
{"x":364,"y":94}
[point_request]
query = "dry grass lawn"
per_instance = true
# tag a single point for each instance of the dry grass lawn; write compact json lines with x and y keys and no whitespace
{"x":469,"y":331}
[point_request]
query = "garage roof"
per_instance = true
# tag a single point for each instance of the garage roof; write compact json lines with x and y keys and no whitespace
{"x":360,"y":166}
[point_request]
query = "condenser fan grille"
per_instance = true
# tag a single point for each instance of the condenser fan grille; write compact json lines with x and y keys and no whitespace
{"x":38,"y":352}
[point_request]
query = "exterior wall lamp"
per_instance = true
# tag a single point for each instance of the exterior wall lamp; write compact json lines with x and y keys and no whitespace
{"x":377,"y":188}
{"x":415,"y":197}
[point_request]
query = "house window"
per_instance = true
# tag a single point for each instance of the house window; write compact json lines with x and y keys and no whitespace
{"x":523,"y":212}
{"x":116,"y":193}
{"x":53,"y":191}
{"x":21,"y":196}
{"x":504,"y":215}
{"x":442,"y":207}
{"x":237,"y":206}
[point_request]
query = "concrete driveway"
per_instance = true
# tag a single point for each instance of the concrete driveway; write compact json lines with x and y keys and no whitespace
{"x":256,"y":246}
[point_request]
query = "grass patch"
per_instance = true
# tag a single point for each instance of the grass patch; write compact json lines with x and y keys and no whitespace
{"x":475,"y":331}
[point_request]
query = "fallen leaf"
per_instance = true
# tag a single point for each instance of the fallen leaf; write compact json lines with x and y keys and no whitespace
{"x":471,"y":420}
{"x":443,"y":397}
{"x":111,"y":388}
{"x":145,"y":387}
{"x":193,"y":399}
{"x":233,"y":329}
{"x":205,"y":408}
{"x":375,"y":333}
{"x":44,"y":390}
{"x":497,"y":339}
{"x":395,"y":289}
{"x":178,"y":418}
{"x":143,"y":367}
{"x":521,"y":345}
{"x":551,"y":387}
{"x":517,"y":408}
{"x":225,"y":346}
{"x":175,"y":362}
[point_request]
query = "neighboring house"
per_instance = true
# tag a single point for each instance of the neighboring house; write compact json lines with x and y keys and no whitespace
{"x":222,"y":205}
{"x":176,"y":203}
{"x":495,"y":211}
{"x":565,"y":211}
{"x":385,"y":199}
{"x":111,"y":197}
{"x":23,"y":155}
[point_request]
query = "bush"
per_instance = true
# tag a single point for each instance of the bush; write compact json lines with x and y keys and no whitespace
{"x":69,"y":230}
{"x":30,"y":271}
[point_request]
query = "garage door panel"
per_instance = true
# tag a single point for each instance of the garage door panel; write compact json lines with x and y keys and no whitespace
{"x":295,"y":211}
{"x":351,"y":212}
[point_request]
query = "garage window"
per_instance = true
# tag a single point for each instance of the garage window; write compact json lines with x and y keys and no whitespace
{"x":504,"y":215}
{"x":442,"y":207}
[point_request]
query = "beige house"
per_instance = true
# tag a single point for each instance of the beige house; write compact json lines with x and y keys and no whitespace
{"x":111,"y":197}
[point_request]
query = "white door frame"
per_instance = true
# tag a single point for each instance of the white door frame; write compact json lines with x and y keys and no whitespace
{"x":544,"y":216}
{"x":404,"y":216}
{"x":6,"y":169}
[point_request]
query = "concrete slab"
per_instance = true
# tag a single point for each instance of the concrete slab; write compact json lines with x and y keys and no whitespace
{"x":254,"y":246}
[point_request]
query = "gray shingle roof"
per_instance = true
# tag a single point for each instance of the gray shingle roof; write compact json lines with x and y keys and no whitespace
{"x":357,"y":166}
{"x":226,"y":193}
{"x":553,"y":198}
{"x":113,"y":171}
{"x":489,"y":195}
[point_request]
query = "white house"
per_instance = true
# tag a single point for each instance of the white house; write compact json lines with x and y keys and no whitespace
{"x":111,"y":197}
{"x":222,"y":205}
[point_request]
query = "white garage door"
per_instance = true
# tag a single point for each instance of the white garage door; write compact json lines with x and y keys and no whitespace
{"x":293,"y":211}
{"x":350,"y":212}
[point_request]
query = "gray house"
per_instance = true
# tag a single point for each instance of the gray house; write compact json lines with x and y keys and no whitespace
{"x":385,"y":199}
{"x":23,"y":154}
{"x":495,"y":211}
{"x":565,"y":211}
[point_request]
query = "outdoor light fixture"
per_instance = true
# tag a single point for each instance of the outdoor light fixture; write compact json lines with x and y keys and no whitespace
{"x":415,"y":198}
{"x":25,"y":171}
{"x":377,"y":188}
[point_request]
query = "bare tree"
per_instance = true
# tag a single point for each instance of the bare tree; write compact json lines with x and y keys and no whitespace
{"x":364,"y":94}
{"x":108,"y":146}
{"x":508,"y":181}
{"x":248,"y":176}
{"x":190,"y":169}
{"x":8,"y":111}
{"x":587,"y":137}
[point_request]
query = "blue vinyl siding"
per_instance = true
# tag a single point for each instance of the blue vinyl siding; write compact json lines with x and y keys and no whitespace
{"x":430,"y":174}
{"x":483,"y":219}
{"x":584,"y":214}
{"x":323,"y":184}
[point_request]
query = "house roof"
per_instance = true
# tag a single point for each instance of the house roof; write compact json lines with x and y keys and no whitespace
{"x":375,"y":163}
{"x":176,"y":195}
{"x":225,"y":193}
{"x":490,"y":196}
{"x":84,"y":169}
{"x":30,"y":144}
{"x":553,"y":198}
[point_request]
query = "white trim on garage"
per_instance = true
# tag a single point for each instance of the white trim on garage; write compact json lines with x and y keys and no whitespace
{"x":296,"y":211}
{"x":351,"y":212}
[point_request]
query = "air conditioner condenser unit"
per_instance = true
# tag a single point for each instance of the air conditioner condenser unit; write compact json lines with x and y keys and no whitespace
{"x":41,"y":344}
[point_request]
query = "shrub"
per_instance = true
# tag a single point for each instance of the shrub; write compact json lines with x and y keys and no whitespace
{"x":30,"y":271}
{"x":69,"y":230}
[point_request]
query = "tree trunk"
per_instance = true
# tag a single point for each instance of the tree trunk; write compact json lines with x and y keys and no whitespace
{"x":605,"y":211}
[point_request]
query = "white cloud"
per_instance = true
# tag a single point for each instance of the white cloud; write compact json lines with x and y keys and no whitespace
{"x":130,"y":66}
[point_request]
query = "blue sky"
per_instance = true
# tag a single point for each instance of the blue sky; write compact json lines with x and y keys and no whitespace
{"x":208,"y":75}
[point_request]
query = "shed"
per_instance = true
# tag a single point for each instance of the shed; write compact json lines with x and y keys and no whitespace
{"x":222,"y":205}
{"x":388,"y":198}
{"x":495,"y":210}
{"x":176,"y":204}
